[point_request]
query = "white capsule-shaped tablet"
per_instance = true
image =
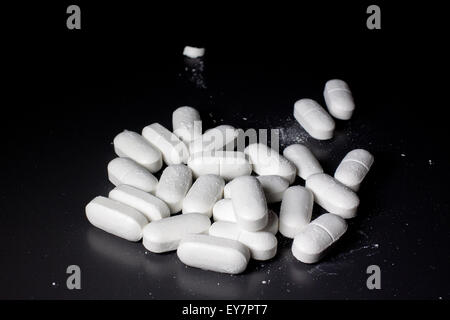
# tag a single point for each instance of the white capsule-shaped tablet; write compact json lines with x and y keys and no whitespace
{"x":116,"y":218}
{"x":249,"y":203}
{"x":213,"y":253}
{"x":311,"y":244}
{"x":165,"y":235}
{"x":223,"y":211}
{"x":186,"y":124}
{"x":222,"y":137}
{"x":339,"y":99}
{"x":204,"y":194}
{"x":353,"y":168}
{"x":173,"y":186}
{"x":193,"y":52}
{"x":262,"y":244}
{"x":127,"y":171}
{"x":132,"y":145}
{"x":303,"y":159}
{"x":266,"y":161}
{"x":333,"y":196}
{"x":295,"y":211}
{"x":150,"y":206}
{"x":314,"y":119}
{"x":273,"y":186}
{"x":227,"y":164}
{"x":173,"y":150}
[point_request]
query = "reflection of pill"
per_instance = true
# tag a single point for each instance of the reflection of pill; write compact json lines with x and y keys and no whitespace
{"x":223,"y":211}
{"x":132,"y":145}
{"x":303,"y":159}
{"x":266,"y":161}
{"x":173,"y":185}
{"x":149,"y":205}
{"x":204,"y":194}
{"x":127,"y":171}
{"x":353,"y":168}
{"x":227,"y":164}
{"x":213,"y":253}
{"x":164,"y":235}
{"x":173,"y":150}
{"x":311,"y":244}
{"x":332,"y":195}
{"x":116,"y":218}
{"x":222,"y":137}
{"x":249,"y":203}
{"x":193,"y":52}
{"x":314,"y":119}
{"x":339,"y":99}
{"x":262,"y":244}
{"x":295,"y":211}
{"x":186,"y":123}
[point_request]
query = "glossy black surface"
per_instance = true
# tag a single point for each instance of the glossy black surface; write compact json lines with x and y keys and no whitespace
{"x":72,"y":93}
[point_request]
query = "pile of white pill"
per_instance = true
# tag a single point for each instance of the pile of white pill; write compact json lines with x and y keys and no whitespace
{"x":207,"y":180}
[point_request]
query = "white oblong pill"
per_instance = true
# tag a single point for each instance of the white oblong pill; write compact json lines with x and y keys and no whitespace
{"x":295,"y":211}
{"x":339,"y":99}
{"x":132,"y":145}
{"x":262,"y":244}
{"x":222,"y":137}
{"x":213,"y":253}
{"x":227,"y":164}
{"x":273,"y":186}
{"x":311,"y":244}
{"x":266,"y":161}
{"x":127,"y":171}
{"x":333,"y":196}
{"x":223,"y":211}
{"x":173,"y":150}
{"x":204,"y":194}
{"x":227,"y":190}
{"x":303,"y":159}
{"x":150,"y":206}
{"x":186,"y":124}
{"x":314,"y":119}
{"x":249,"y":203}
{"x":173,"y":185}
{"x":353,"y":168}
{"x":116,"y":218}
{"x":165,"y":235}
{"x":193,"y":52}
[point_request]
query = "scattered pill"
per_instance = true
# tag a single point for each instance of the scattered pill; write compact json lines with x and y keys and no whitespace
{"x":227,"y":164}
{"x":223,"y":211}
{"x":314,"y":119}
{"x":186,"y":124}
{"x":204,"y":194}
{"x":213,"y":253}
{"x":165,"y":235}
{"x":304,"y":160}
{"x":132,"y":145}
{"x":173,"y":150}
{"x":127,"y":171}
{"x":193,"y":52}
{"x":295,"y":211}
{"x":149,"y":205}
{"x":339,"y":99}
{"x":262,"y":244}
{"x":249,"y":203}
{"x":266,"y":161}
{"x":311,"y":244}
{"x":173,"y":186}
{"x":222,"y":137}
{"x":333,"y":196}
{"x":273,"y":186}
{"x":116,"y":218}
{"x":353,"y":168}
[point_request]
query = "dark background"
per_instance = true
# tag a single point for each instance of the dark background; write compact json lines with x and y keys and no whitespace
{"x":68,"y":93}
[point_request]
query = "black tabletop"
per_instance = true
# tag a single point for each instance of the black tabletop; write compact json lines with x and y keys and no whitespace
{"x":73,"y":92}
